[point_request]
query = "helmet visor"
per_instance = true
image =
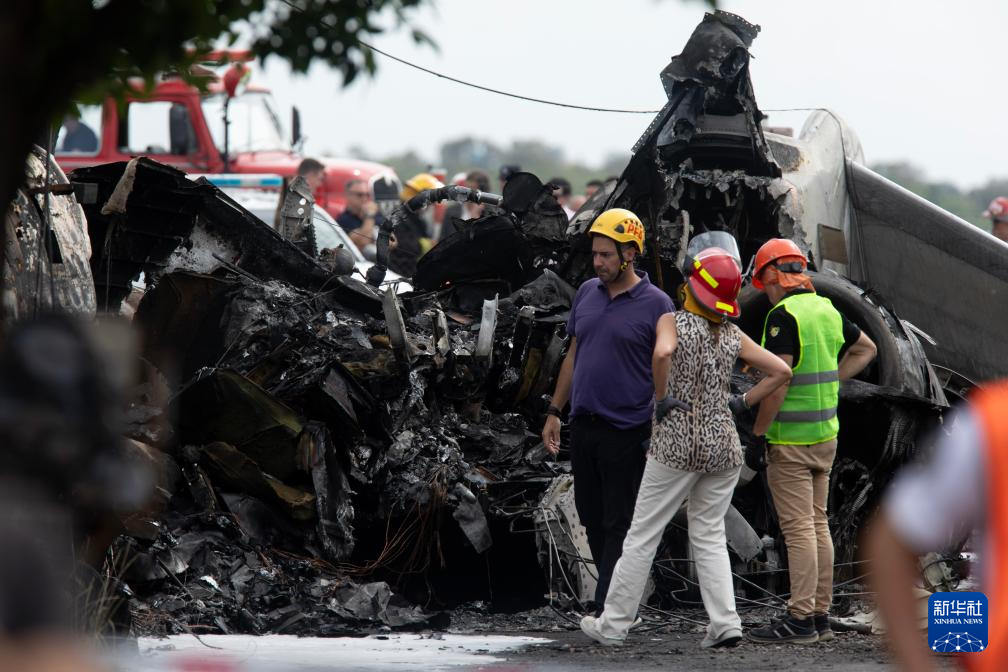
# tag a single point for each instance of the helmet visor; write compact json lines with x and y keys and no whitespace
{"x":721,"y":239}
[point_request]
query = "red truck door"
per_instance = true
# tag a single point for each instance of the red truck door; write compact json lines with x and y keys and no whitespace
{"x":169,"y":128}
{"x":81,"y":140}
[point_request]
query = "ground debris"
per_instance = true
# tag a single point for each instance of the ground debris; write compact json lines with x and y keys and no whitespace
{"x":207,"y":575}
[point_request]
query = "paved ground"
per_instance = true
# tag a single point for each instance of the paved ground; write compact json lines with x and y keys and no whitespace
{"x":540,"y":640}
{"x":669,"y":645}
{"x":681,"y":651}
{"x":564,"y":651}
{"x":408,"y":652}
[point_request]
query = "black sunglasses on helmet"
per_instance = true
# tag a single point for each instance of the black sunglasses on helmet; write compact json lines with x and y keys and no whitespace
{"x":790,"y":266}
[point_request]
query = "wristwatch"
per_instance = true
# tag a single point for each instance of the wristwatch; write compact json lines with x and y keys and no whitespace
{"x":553,"y":410}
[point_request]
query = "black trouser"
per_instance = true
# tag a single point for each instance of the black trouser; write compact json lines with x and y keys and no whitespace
{"x":608,"y":464}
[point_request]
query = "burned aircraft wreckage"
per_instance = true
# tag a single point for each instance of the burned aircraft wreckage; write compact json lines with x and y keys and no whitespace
{"x":322,"y":438}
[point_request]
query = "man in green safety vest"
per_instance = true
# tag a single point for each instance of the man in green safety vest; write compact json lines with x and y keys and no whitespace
{"x":799,"y":425}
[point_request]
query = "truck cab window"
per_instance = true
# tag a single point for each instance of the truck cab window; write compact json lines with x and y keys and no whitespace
{"x":255,"y":125}
{"x":80,"y":134}
{"x":156,"y":127}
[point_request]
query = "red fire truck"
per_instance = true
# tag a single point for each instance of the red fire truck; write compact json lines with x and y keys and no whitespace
{"x":232,"y":128}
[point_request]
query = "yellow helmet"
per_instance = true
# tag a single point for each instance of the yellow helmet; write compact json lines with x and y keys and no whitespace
{"x":418,"y":183}
{"x":621,"y":225}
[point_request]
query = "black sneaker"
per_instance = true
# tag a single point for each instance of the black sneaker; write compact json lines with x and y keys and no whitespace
{"x":786,"y":630}
{"x":822,"y":627}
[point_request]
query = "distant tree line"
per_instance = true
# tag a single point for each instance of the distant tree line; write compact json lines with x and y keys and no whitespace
{"x":968,"y":204}
{"x":535,"y":156}
{"x":548,"y":161}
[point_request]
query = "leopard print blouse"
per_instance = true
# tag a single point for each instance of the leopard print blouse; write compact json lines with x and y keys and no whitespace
{"x":703,"y":439}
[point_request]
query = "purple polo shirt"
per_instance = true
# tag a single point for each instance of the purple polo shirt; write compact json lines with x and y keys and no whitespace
{"x":615,"y":342}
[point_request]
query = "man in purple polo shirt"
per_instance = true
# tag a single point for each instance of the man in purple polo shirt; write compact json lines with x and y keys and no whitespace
{"x":607,"y":378}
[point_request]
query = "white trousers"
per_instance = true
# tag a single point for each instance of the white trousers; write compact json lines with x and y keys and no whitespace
{"x":662,"y":492}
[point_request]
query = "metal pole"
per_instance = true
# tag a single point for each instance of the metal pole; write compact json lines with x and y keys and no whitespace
{"x":50,"y":159}
{"x":44,"y":250}
{"x":227,"y":123}
{"x":659,"y":275}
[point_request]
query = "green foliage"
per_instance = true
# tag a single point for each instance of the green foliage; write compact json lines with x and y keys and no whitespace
{"x":405,"y":164}
{"x":95,"y":49}
{"x":535,"y":156}
{"x":330,"y":31}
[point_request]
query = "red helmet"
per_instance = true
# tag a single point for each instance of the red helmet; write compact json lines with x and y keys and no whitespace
{"x":775,"y":249}
{"x":997,"y":210}
{"x":715,"y":281}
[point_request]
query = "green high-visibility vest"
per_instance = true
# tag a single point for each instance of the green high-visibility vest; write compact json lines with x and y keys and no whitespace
{"x":809,"y":412}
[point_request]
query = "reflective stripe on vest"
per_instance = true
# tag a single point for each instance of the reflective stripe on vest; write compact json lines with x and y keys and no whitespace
{"x":809,"y":412}
{"x":991,"y":407}
{"x":815,"y":378}
{"x":806,"y":416}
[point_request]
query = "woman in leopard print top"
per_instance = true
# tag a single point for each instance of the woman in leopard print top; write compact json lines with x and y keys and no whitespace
{"x":695,"y":453}
{"x":703,"y":438}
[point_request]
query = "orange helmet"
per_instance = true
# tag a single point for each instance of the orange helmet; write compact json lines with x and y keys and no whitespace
{"x":776,"y":249}
{"x":715,"y":281}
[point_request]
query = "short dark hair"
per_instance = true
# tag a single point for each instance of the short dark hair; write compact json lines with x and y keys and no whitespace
{"x":481,"y":179}
{"x":350,"y":183}
{"x":563,"y":184}
{"x":595,"y":183}
{"x":309,"y":166}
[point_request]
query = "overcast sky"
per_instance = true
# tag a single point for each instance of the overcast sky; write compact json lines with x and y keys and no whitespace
{"x":917,"y":81}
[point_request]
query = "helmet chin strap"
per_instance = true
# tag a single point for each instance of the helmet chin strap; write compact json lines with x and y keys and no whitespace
{"x":623,"y":262}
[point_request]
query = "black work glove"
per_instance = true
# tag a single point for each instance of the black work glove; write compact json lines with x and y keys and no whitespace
{"x":738,"y":404}
{"x":664,"y":406}
{"x":755,"y":453}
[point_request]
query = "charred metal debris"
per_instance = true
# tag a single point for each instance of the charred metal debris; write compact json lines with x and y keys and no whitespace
{"x":326,"y":439}
{"x":323,"y":437}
